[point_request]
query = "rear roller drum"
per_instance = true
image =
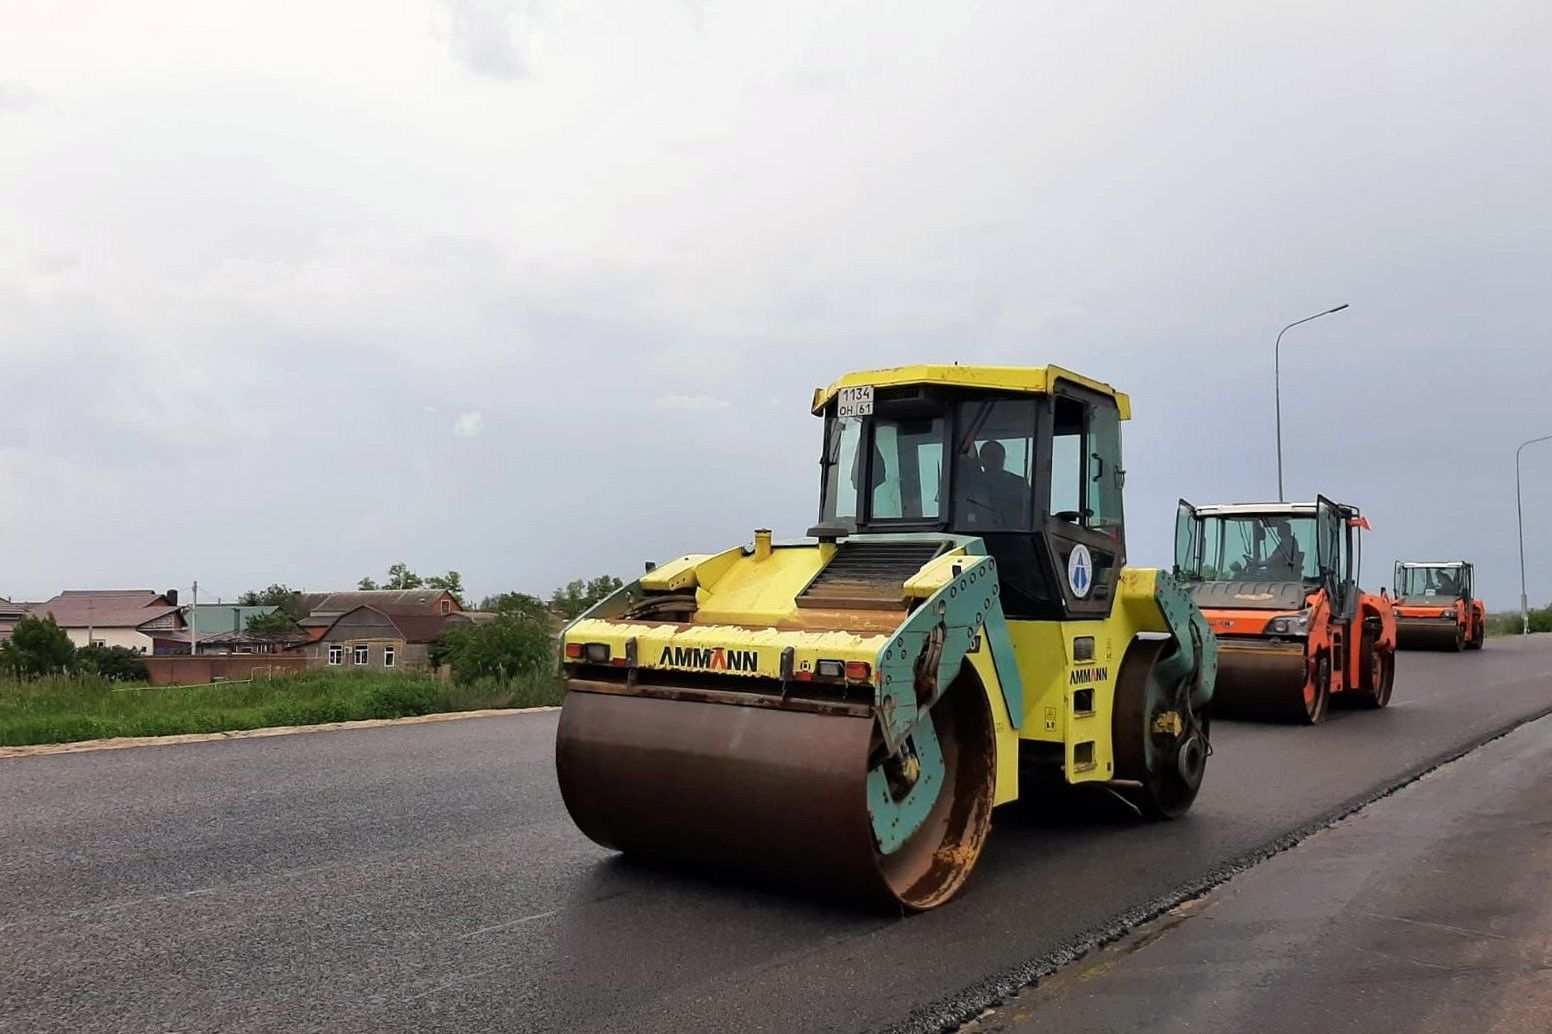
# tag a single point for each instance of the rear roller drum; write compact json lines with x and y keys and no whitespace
{"x":1317,"y":693}
{"x":1379,"y":678}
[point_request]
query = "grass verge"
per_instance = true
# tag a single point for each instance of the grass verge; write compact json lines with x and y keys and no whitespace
{"x":66,"y":709}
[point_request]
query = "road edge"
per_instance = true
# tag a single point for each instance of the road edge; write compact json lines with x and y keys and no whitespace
{"x":951,"y":1013}
{"x":124,"y":742}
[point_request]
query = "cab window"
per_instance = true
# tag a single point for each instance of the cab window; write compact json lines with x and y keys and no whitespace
{"x":1086,"y":464}
{"x":907,"y":469}
{"x":841,"y":470}
{"x":993,"y":464}
{"x":1067,"y":461}
{"x":1103,"y":468}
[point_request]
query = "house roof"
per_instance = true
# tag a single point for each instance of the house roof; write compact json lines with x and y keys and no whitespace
{"x":112,"y":608}
{"x":248,"y":639}
{"x":127,"y":593}
{"x":418,"y":628}
{"x":415,"y":628}
{"x":323,"y":608}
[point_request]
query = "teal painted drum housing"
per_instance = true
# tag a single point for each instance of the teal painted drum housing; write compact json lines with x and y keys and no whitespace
{"x":940,"y":632}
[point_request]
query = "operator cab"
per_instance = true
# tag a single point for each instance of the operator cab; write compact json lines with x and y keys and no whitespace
{"x":1033,"y":471}
{"x":1286,"y":550}
{"x":1433,"y":582}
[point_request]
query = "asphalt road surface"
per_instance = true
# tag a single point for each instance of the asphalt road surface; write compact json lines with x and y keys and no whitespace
{"x":1428,"y":912}
{"x":426,"y":877}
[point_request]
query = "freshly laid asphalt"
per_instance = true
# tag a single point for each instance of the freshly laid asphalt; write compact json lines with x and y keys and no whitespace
{"x":1429,"y":912}
{"x":426,"y":877}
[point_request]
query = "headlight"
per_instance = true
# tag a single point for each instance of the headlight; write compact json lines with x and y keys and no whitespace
{"x":1446,"y":613}
{"x":1294,"y":624}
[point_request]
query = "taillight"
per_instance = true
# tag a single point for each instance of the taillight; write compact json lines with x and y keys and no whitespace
{"x":858,"y":671}
{"x":573,"y":651}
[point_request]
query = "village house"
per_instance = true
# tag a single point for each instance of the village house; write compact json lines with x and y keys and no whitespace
{"x":138,"y":619}
{"x":378,"y":630}
{"x":10,"y":614}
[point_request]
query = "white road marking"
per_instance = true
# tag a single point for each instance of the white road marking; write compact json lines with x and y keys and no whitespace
{"x":512,"y":923}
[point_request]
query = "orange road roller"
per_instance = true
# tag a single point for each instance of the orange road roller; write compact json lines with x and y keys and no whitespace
{"x":1278,"y":583}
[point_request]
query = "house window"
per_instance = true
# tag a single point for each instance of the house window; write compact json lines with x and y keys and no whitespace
{"x":336,"y":653}
{"x":447,"y":606}
{"x":99,"y":642}
{"x":388,"y":656}
{"x":363,"y":654}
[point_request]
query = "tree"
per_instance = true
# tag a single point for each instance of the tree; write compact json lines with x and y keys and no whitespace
{"x":518,"y":603}
{"x":451,"y":582}
{"x":399,"y":577}
{"x":114,"y":663}
{"x":277,"y":624}
{"x":577,"y":595}
{"x":282,"y":596}
{"x":514,"y":645}
{"x":38,"y":646}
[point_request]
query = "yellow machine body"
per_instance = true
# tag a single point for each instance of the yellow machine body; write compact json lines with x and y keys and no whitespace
{"x":848,"y":710}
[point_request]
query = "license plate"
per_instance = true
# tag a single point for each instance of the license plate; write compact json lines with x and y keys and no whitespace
{"x":856,"y":401}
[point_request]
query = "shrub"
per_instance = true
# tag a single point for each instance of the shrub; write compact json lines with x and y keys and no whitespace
{"x":1510,"y":623}
{"x":38,"y":646}
{"x":114,"y":663}
{"x":517,"y":644}
{"x":403,"y":697}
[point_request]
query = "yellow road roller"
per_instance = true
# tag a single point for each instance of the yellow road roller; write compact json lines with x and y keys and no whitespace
{"x":846,"y":711}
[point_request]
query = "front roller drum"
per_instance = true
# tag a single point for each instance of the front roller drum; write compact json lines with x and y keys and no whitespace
{"x":1432,"y":635}
{"x":1271,"y":684}
{"x":774,"y":792}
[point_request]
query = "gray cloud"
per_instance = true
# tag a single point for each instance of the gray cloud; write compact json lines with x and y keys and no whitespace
{"x":490,"y":37}
{"x":16,"y":96}
{"x":244,"y":304}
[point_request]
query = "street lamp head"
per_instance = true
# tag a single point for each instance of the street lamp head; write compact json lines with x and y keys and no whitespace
{"x":1339,"y":308}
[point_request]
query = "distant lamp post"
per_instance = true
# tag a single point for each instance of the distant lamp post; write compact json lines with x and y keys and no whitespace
{"x":1277,"y":376}
{"x":1519,"y":513}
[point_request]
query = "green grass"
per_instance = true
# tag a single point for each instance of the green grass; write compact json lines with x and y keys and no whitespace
{"x":1510,"y":623}
{"x":68,"y":708}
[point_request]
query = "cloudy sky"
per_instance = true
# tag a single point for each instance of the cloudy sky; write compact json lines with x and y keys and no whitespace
{"x":539,"y":288}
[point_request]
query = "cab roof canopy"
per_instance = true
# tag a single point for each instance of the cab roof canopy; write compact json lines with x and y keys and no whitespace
{"x":1434,"y":563}
{"x":1257,"y":510}
{"x":1035,"y":380}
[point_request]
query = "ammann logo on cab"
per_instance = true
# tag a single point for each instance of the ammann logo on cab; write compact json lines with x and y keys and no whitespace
{"x":713,"y":658}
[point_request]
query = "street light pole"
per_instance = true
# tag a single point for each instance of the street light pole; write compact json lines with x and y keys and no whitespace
{"x":1519,"y":513}
{"x":1277,"y":378}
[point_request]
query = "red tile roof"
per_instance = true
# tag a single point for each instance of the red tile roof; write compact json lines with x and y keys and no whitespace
{"x":323,"y":608}
{"x":111,"y":608}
